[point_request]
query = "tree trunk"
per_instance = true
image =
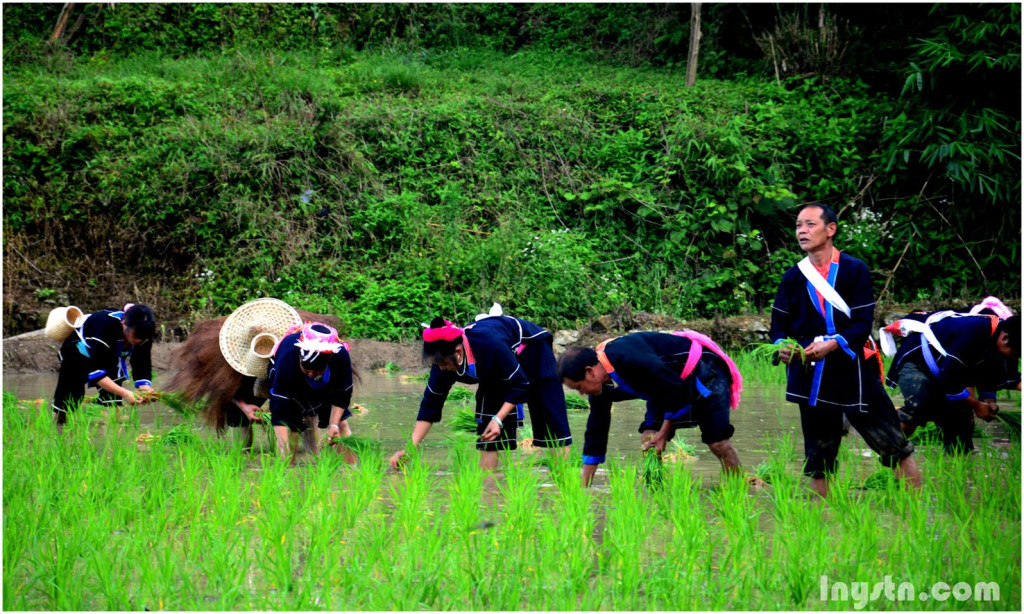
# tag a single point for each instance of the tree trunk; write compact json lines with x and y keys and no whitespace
{"x":691,"y":57}
{"x":62,"y":21}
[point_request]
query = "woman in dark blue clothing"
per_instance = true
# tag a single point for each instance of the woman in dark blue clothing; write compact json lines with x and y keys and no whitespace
{"x":310,"y":378}
{"x":96,"y":355}
{"x":513,"y":362}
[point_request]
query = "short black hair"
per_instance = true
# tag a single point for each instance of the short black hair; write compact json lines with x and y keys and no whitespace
{"x":827,"y":213}
{"x":1011,"y":326}
{"x":573,"y":363}
{"x":139,"y":320}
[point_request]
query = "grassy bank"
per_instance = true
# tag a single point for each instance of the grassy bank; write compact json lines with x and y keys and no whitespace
{"x":98,"y":520}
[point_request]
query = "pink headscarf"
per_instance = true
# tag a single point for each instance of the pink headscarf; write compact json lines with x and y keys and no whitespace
{"x":996,"y":305}
{"x":448,"y":332}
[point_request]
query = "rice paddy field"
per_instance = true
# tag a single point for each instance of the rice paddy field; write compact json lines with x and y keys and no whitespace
{"x":144,"y":509}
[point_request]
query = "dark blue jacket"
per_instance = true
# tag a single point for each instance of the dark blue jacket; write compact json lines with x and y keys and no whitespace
{"x":839,"y":383}
{"x":971,"y":357}
{"x":493,"y":342}
{"x":650,"y":364}
{"x":106,"y":350}
{"x":289,"y":385}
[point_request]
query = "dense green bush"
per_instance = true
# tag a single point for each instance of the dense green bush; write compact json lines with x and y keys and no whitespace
{"x":390,"y":185}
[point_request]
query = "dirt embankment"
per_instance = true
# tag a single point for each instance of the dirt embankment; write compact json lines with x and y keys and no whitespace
{"x":34,"y":352}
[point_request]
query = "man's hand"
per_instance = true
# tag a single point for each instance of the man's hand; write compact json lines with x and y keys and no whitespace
{"x":658,"y":442}
{"x":587,"y":475}
{"x":250,"y":411}
{"x":820,"y":349}
{"x":986,"y":409}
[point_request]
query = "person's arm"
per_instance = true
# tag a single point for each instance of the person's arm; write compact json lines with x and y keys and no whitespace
{"x":335,"y":426}
{"x":853,"y":332}
{"x":781,"y":322}
{"x":341,"y":396}
{"x":434,"y":395}
{"x":142,"y":365}
{"x":497,"y":422}
{"x":107,"y":384}
{"x":419,"y":433}
{"x":595,"y":439}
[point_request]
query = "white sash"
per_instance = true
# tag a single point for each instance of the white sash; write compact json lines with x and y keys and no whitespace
{"x":821,"y":285}
{"x":908,"y":326}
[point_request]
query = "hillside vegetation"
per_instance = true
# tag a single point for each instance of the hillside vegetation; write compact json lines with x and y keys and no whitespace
{"x":389,"y":183}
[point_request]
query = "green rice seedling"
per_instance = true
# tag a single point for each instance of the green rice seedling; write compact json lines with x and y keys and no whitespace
{"x":575,"y":402}
{"x":769,"y":351}
{"x":362,"y":446}
{"x":626,"y":532}
{"x":416,"y":378}
{"x":464,"y":421}
{"x":460,"y":393}
{"x":652,"y":469}
{"x":1012,"y":421}
{"x":178,"y":435}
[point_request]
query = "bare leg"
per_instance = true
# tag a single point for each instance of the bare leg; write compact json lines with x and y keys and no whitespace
{"x":283,"y":434}
{"x":726,"y":454}
{"x":245,"y":434}
{"x":310,"y":435}
{"x":350,"y":456}
{"x":489,"y":462}
{"x":908,"y":472}
{"x":58,"y":423}
{"x":820,"y":486}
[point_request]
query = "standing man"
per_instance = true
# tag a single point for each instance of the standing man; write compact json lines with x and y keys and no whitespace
{"x":685,"y":378}
{"x":826,"y":304}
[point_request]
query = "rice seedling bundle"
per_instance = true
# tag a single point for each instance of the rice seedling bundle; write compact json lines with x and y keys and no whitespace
{"x":459,"y":393}
{"x":652,"y":469}
{"x":574,"y":402}
{"x":464,"y":421}
{"x":360,"y":445}
{"x":1012,"y":421}
{"x":769,"y":351}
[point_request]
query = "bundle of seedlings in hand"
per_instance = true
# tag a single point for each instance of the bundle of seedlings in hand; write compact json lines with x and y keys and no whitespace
{"x":173,"y":400}
{"x":359,"y":445}
{"x":463,"y":422}
{"x":1012,"y":421}
{"x":652,"y":470}
{"x":770,"y":351}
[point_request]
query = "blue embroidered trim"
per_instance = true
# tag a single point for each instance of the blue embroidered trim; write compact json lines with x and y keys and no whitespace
{"x":960,"y":396}
{"x":843,"y":345}
{"x":592,"y":460}
{"x":701,"y":388}
{"x":679,"y":413}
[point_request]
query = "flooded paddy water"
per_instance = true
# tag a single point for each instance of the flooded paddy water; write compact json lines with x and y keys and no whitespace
{"x":392,"y":399}
{"x":97,"y":520}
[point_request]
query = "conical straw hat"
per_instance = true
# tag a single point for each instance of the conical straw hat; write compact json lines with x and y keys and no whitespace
{"x":265,"y":315}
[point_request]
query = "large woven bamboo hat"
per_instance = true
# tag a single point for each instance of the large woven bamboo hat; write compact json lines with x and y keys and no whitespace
{"x":251,"y":320}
